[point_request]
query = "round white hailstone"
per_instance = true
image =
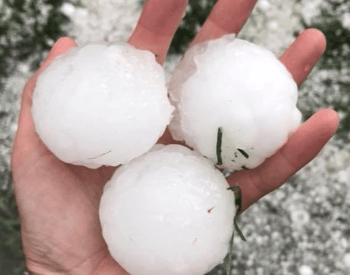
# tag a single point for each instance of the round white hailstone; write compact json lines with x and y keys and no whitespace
{"x":101,"y":104}
{"x":346,"y":260}
{"x":168,"y":212}
{"x":300,"y":217}
{"x":241,"y":88}
{"x":305,"y":270}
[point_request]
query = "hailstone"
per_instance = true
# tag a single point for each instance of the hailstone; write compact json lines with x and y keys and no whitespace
{"x":236,"y":102}
{"x":168,"y":212}
{"x":101,"y":104}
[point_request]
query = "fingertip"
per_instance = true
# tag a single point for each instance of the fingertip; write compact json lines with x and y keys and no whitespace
{"x":59,"y":47}
{"x":304,"y":53}
{"x":316,"y":39}
{"x":318,"y":129}
{"x":330,"y":119}
{"x":62,"y":45}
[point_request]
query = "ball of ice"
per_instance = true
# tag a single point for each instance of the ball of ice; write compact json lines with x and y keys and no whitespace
{"x":168,"y":212}
{"x":241,"y":88}
{"x":305,"y":270}
{"x":101,"y":104}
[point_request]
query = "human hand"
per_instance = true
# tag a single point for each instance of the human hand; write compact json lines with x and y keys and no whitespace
{"x":58,"y":202}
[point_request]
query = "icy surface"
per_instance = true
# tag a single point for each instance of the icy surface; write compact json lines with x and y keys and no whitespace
{"x":101,"y":105}
{"x":241,"y":88}
{"x":168,"y":212}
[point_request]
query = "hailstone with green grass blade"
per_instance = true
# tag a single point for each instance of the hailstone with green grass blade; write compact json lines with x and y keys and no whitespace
{"x":101,"y":104}
{"x":168,"y":212}
{"x":236,"y":102}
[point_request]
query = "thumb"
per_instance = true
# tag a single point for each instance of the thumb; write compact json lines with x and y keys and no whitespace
{"x":26,"y":140}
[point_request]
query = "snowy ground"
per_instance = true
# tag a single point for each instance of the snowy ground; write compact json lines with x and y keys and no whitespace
{"x":303,"y":227}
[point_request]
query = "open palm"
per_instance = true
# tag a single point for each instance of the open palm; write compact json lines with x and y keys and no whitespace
{"x":58,"y":202}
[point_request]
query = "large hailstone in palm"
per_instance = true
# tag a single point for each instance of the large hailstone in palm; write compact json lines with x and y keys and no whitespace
{"x":236,"y":102}
{"x":168,"y":212}
{"x":101,"y":104}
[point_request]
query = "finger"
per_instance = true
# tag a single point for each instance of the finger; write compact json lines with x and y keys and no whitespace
{"x":26,"y":136}
{"x":61,"y":46}
{"x":157,"y":25}
{"x":227,"y":16}
{"x":302,"y":147}
{"x":304,"y":53}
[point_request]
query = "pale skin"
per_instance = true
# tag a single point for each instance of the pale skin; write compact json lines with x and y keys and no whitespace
{"x":58,"y":202}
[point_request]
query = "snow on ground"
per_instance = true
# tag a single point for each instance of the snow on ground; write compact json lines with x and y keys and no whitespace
{"x":9,"y":108}
{"x":104,"y":20}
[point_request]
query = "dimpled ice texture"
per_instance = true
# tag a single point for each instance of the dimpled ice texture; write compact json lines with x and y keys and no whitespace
{"x":241,"y":88}
{"x":168,"y":212}
{"x":101,"y":104}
